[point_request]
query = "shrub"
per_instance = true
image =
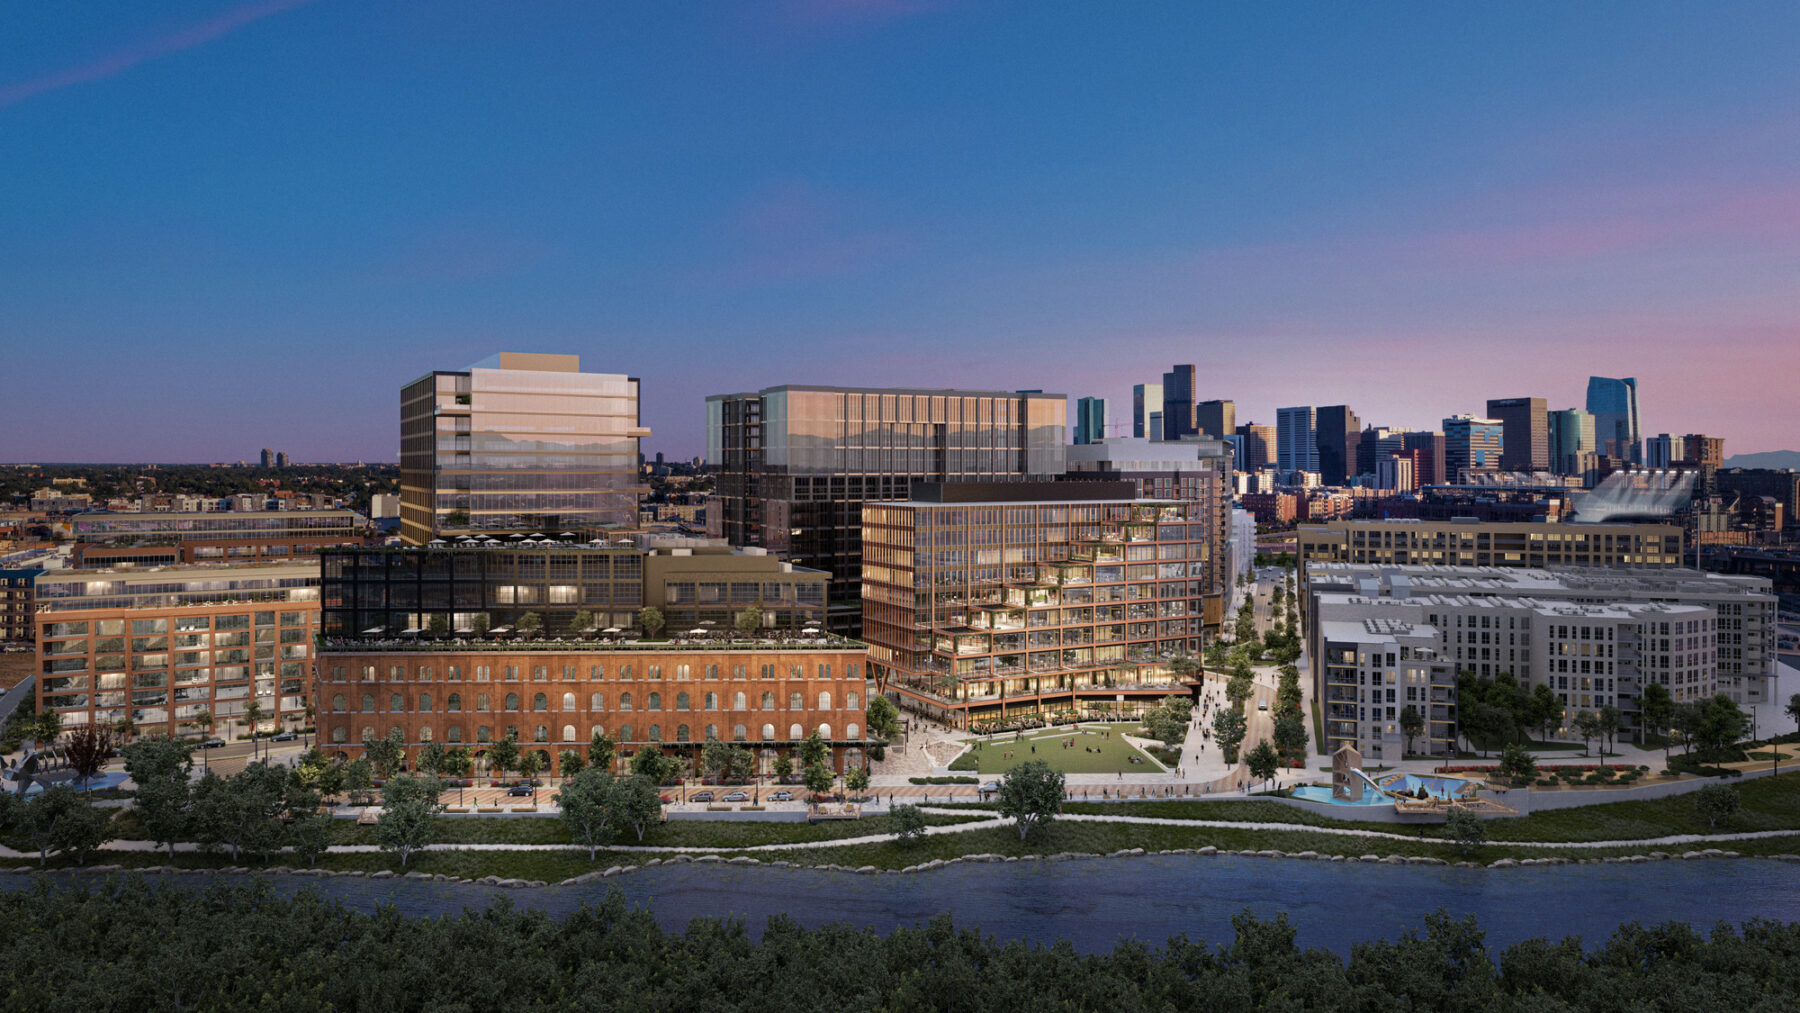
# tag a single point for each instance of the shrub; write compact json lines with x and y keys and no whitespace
{"x":943,"y":780}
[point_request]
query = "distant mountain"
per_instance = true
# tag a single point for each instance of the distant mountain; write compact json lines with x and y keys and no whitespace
{"x":1767,"y":459}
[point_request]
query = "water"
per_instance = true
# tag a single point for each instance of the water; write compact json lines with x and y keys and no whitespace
{"x":1095,"y":903}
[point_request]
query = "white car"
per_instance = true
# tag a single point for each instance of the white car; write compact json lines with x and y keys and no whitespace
{"x":1262,"y":705}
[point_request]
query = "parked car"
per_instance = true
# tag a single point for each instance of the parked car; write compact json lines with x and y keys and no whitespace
{"x":519,"y":790}
{"x":990,"y":786}
{"x":701,"y":796}
{"x":1262,"y":705}
{"x":737,"y":796}
{"x":284,"y":737}
{"x":212,"y":743}
{"x":782,"y":796}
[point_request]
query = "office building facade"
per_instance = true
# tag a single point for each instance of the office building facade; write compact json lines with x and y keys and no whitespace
{"x":1571,"y":440}
{"x":1257,"y":450}
{"x":1472,"y":447}
{"x":1525,"y":432}
{"x":1064,"y":599}
{"x":1216,"y":419}
{"x":1296,"y":439}
{"x":1614,"y":405}
{"x":518,"y":443}
{"x":1178,"y":403}
{"x":796,"y":464}
{"x":1146,"y":400}
{"x":169,"y":539}
{"x":1090,"y":419}
{"x":1338,"y":433}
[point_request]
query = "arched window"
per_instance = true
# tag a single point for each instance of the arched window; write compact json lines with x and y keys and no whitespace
{"x":425,"y":733}
{"x":337,"y":735}
{"x":337,"y":703}
{"x":738,"y":702}
{"x":681,"y":701}
{"x":656,"y":701}
{"x":512,"y":701}
{"x":541,"y":735}
{"x":851,"y":730}
{"x":568,"y":733}
{"x":568,"y":701}
{"x":453,"y":733}
{"x":656,"y":733}
{"x":768,"y":701}
{"x":597,"y":702}
{"x":396,"y":704}
{"x":796,"y":733}
{"x":739,"y":733}
{"x":712,"y":701}
{"x":483,"y":733}
{"x":625,"y":734}
{"x":681,"y":733}
{"x":481,"y":702}
{"x":453,"y":703}
{"x":368,"y":732}
{"x":852,"y":701}
{"x":825,"y":732}
{"x":824,"y":700}
{"x":624,"y":701}
{"x":794,"y":701}
{"x":398,"y":732}
{"x":540,"y":702}
{"x":768,"y":733}
{"x":424,"y":703}
{"x":368,"y":703}
{"x":712,"y":732}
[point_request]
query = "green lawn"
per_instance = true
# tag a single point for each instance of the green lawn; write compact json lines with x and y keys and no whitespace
{"x":1002,"y":754}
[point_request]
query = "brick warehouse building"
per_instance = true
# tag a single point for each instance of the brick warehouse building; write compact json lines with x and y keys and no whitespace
{"x":400,"y":649}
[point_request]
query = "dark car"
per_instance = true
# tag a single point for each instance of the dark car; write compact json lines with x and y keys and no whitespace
{"x":284,"y":737}
{"x":519,"y":790}
{"x":701,"y":796}
{"x":212,"y":744}
{"x":738,"y":796}
{"x":782,"y":796}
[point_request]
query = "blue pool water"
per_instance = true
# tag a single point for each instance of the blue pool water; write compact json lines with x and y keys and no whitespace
{"x":1409,"y":784}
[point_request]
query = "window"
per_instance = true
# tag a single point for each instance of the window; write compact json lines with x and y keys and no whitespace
{"x":739,"y":733}
{"x":656,"y":733}
{"x":453,"y":733}
{"x":512,"y":701}
{"x":484,"y":734}
{"x":738,"y":702}
{"x":682,"y":673}
{"x":795,"y":702}
{"x":568,"y":703}
{"x":481,"y":701}
{"x":768,"y":733}
{"x":596,"y":701}
{"x":796,"y":733}
{"x":768,"y":701}
{"x":453,"y":703}
{"x":624,"y":701}
{"x":625,"y":734}
{"x":425,"y":733}
{"x":825,"y":732}
{"x":850,"y":731}
{"x":541,"y":735}
{"x":656,"y":701}
{"x":681,"y":701}
{"x":337,"y":735}
{"x":337,"y":703}
{"x":568,"y":733}
{"x":681,"y":733}
{"x":424,"y":703}
{"x":483,"y":673}
{"x":396,"y":703}
{"x":712,"y":731}
{"x":368,"y":703}
{"x":824,"y":701}
{"x":852,"y":702}
{"x":539,"y":673}
{"x":540,"y":702}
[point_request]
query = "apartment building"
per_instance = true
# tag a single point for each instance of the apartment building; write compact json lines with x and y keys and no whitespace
{"x":173,"y":538}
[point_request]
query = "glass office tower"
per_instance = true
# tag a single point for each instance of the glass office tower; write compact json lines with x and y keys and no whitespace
{"x":796,"y":463}
{"x":518,"y":443}
{"x":1614,"y":405}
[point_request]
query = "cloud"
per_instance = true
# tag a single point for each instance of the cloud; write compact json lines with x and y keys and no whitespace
{"x":122,"y":60}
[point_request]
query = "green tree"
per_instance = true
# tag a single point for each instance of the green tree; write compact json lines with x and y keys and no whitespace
{"x":587,"y":807}
{"x":636,"y":804}
{"x":1516,"y":762}
{"x":316,"y":771}
{"x":651,"y":619}
{"x":1608,"y":723}
{"x":581,"y":622}
{"x":431,"y":758}
{"x":385,"y":754}
{"x":1167,"y":722}
{"x":1793,"y":708}
{"x":530,"y":765}
{"x":857,"y":779}
{"x":1239,"y":688}
{"x":748,"y":622}
{"x":813,"y":749}
{"x":458,"y":763}
{"x":1262,"y":761}
{"x":1290,"y":737}
{"x":504,"y":755}
{"x":1587,"y":723}
{"x":569,"y":763}
{"x":253,"y":715}
{"x":1030,"y":795}
{"x":602,"y":751}
{"x":1245,"y":630}
{"x":819,"y":778}
{"x":1657,"y":709}
{"x":47,"y":726}
{"x":1229,"y":725}
{"x":59,"y":820}
{"x":715,"y":758}
{"x":648,"y":762}
{"x":1465,"y":830}
{"x":162,"y":769}
{"x":908,"y":823}
{"x":530,"y":624}
{"x":1716,"y":802}
{"x":359,"y":777}
{"x":1721,"y":725}
{"x":1412,"y":724}
{"x":409,"y":806}
{"x":1687,"y":722}
{"x":1547,"y":710}
{"x":742,"y":765}
{"x":125,"y":728}
{"x":241,"y":813}
{"x":783,"y":767}
{"x":480,"y":624}
{"x":882,"y":716}
{"x":437,"y":624}
{"x":309,"y":831}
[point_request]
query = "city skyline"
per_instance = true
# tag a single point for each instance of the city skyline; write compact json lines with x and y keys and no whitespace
{"x":273,"y":215}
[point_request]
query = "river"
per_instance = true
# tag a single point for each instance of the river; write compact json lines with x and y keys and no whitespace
{"x":1095,"y":903}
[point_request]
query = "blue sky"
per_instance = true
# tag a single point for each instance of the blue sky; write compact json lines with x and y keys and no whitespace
{"x":229,"y":226}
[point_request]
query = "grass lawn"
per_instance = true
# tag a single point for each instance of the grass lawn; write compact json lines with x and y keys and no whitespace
{"x":999,"y":755}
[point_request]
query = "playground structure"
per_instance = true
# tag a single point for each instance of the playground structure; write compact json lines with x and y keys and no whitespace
{"x":1410,"y":794}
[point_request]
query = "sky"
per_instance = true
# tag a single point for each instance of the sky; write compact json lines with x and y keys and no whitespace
{"x":226,"y":226}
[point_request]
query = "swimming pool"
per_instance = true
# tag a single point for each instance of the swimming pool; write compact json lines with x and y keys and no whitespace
{"x":1397,"y":783}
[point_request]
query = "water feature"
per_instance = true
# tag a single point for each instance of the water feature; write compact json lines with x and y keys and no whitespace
{"x":1094,"y":903}
{"x":1376,"y":792}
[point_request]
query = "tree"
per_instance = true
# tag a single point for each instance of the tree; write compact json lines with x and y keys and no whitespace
{"x":1187,"y":668}
{"x":1245,"y":629}
{"x":1588,"y":724}
{"x":715,"y":758}
{"x":431,"y":758}
{"x":319,"y":773}
{"x":1658,"y":709}
{"x":882,"y":716}
{"x":58,"y":819}
{"x":385,"y":754}
{"x":569,"y":762}
{"x":408,"y":807}
{"x":125,"y":728}
{"x":748,"y":622}
{"x":458,"y":763}
{"x":162,"y":770}
{"x":253,"y":715}
{"x":602,"y":751}
{"x":649,"y":763}
{"x":819,"y":778}
{"x":783,"y":767}
{"x":1167,"y":722}
{"x":636,"y":803}
{"x":813,"y":749}
{"x":1516,"y":763}
{"x":1238,"y":688}
{"x":581,"y":622}
{"x":359,"y":777}
{"x":1793,"y":708}
{"x":241,"y":813}
{"x":1412,"y":724}
{"x":47,"y":726}
{"x":742,"y":765}
{"x":1291,"y":737}
{"x":530,"y":624}
{"x":1609,"y":719}
{"x":481,"y":624}
{"x":651,"y":619}
{"x":88,"y":748}
{"x":1229,"y":724}
{"x":908,"y":823}
{"x":1716,"y":802}
{"x":857,"y":779}
{"x":1262,"y":761}
{"x":1466,"y":830}
{"x":1547,"y":710}
{"x":587,"y":809}
{"x":437,"y":624}
{"x":1721,"y":724}
{"x":504,"y":755}
{"x":530,"y":765}
{"x":309,"y":831}
{"x":1030,"y":794}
